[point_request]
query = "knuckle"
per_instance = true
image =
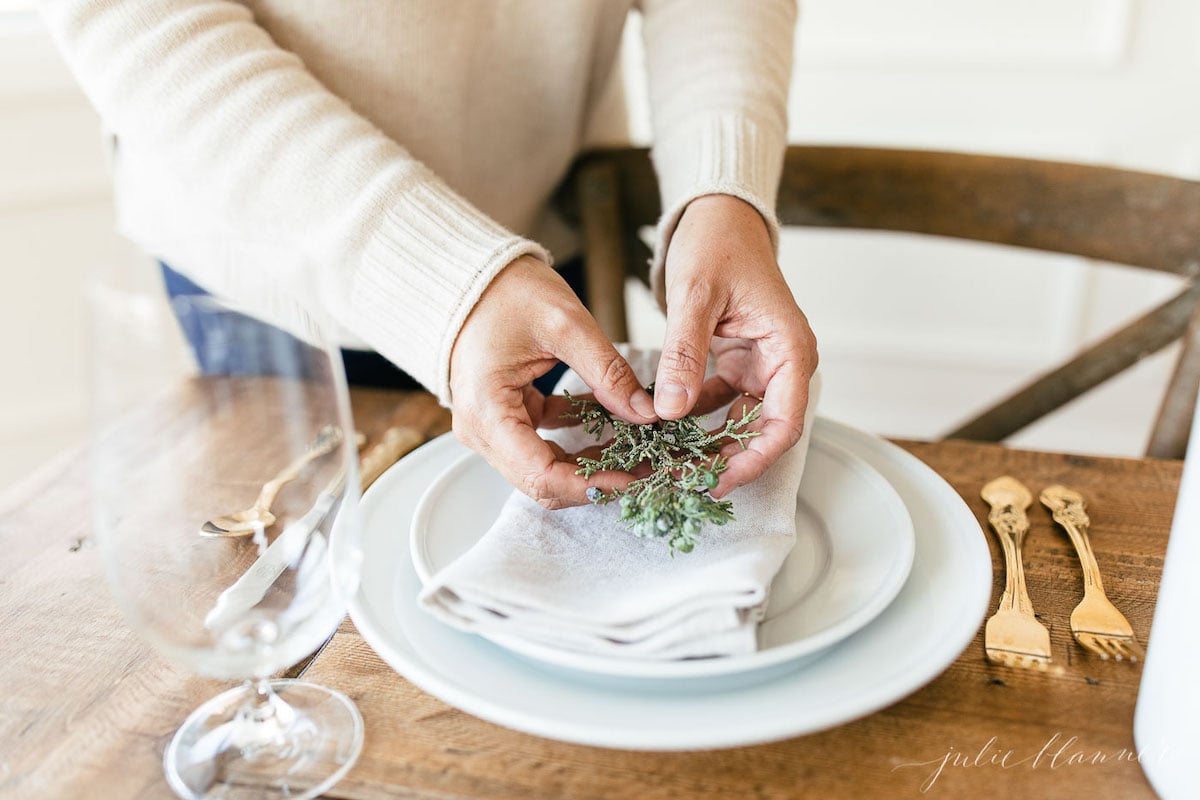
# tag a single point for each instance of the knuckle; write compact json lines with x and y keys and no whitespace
{"x":793,"y":431}
{"x":809,"y":342}
{"x":539,"y":488}
{"x":787,"y":430}
{"x":693,"y":295}
{"x":684,"y":358}
{"x":617,"y":372}
{"x":558,"y":322}
{"x":749,"y":466}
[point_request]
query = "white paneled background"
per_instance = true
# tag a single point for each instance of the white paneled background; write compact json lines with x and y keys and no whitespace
{"x":914,"y":334}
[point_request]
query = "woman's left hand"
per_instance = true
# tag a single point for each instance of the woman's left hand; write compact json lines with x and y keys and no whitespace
{"x":725,"y":293}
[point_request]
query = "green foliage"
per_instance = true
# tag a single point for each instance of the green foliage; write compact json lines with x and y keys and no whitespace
{"x":673,"y":501}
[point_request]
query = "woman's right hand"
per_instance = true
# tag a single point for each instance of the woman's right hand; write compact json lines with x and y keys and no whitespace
{"x":526,"y":321}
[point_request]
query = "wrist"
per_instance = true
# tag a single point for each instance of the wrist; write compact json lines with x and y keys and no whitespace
{"x":724,"y":210}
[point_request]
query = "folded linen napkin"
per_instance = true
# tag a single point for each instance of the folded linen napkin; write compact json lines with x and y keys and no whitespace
{"x":577,"y":579}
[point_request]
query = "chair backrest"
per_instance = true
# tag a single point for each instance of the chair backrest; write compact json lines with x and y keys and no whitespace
{"x":1120,"y":216}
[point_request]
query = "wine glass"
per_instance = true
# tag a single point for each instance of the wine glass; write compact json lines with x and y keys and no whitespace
{"x":223,"y":452}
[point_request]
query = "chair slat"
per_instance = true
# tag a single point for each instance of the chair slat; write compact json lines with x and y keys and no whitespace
{"x":1169,"y":438}
{"x":1114,"y":215}
{"x":604,"y":244}
{"x":1115,"y":353}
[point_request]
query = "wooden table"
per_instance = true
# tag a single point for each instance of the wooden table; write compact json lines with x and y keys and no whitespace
{"x":87,"y":708}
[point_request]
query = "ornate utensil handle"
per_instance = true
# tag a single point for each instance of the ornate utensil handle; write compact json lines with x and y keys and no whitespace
{"x":1067,"y":507}
{"x":1009,"y":499}
{"x":396,"y":442}
{"x":326,"y":440}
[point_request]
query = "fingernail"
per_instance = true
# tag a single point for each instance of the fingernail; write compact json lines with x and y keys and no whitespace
{"x":670,"y":399}
{"x":642,"y":404}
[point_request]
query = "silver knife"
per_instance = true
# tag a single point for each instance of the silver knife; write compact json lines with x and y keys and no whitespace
{"x":248,"y":590}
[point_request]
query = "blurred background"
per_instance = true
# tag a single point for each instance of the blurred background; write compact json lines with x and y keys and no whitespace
{"x":914,"y":333}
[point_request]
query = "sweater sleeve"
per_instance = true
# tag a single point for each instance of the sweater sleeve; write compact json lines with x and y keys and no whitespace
{"x":718,"y":77}
{"x":268,"y":156}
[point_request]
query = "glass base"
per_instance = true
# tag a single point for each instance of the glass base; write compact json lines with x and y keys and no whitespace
{"x":281,"y":738}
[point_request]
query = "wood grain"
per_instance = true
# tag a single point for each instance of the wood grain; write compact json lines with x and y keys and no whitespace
{"x":601,"y":226}
{"x":88,"y":708}
{"x":433,"y":750}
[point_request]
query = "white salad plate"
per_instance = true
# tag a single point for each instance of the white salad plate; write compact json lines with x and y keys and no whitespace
{"x":853,"y":551}
{"x":919,"y":634}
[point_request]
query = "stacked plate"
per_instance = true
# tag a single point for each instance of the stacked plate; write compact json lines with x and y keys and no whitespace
{"x":888,"y":582}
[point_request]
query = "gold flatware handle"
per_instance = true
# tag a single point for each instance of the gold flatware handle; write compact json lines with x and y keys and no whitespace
{"x":1008,"y":499}
{"x":259,"y":516}
{"x":249,"y":589}
{"x":397,"y":442}
{"x":326,"y":440}
{"x":1067,"y":508}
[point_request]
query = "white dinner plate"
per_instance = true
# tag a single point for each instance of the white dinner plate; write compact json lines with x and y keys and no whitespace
{"x":853,"y":551}
{"x":916,"y":637}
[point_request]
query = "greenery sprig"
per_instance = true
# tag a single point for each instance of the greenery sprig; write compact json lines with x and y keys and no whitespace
{"x":673,"y":501}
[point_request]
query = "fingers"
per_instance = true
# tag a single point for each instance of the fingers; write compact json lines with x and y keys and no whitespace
{"x":538,"y":468}
{"x":780,"y":426}
{"x":605,"y":371}
{"x":524,"y":322}
{"x":535,"y":405}
{"x":680,"y":374}
{"x":556,"y":408}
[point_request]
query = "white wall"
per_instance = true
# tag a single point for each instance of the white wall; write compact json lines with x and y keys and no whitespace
{"x":55,"y":222}
{"x":1112,"y":81}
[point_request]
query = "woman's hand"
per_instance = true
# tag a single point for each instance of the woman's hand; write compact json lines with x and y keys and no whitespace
{"x":725,"y":293}
{"x":526,"y":321}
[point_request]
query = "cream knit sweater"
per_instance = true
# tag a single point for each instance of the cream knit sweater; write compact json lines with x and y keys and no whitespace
{"x":386,"y":158}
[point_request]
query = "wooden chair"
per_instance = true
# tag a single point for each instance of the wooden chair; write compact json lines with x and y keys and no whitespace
{"x":1133,"y":218}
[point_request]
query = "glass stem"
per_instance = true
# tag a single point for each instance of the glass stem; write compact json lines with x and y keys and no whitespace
{"x":265,"y":721}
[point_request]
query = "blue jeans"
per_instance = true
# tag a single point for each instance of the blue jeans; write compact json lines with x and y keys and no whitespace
{"x":363,"y":367}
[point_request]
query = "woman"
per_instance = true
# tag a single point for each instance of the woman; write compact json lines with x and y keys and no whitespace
{"x":393,"y":159}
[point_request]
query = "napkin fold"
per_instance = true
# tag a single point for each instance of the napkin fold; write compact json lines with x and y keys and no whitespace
{"x":577,"y":579}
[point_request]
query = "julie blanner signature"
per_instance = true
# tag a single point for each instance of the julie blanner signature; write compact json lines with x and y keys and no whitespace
{"x":1059,"y":752}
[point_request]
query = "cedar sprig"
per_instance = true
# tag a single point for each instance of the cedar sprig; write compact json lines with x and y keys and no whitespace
{"x":672,"y":502}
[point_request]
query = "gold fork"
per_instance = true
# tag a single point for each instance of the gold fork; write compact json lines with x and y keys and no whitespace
{"x":1013,"y":637}
{"x":1096,"y":623}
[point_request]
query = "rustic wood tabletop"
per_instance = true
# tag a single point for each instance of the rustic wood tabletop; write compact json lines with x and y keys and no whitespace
{"x":88,"y":707}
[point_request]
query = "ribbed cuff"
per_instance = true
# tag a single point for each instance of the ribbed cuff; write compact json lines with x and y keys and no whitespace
{"x":715,"y":154}
{"x":422,"y":273}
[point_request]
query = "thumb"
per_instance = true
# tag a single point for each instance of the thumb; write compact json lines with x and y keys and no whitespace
{"x":684,"y":359}
{"x":606,"y":372}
